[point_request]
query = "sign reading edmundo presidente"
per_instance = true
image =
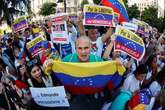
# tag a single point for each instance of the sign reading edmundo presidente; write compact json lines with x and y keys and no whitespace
{"x":130,"y":43}
{"x":98,"y":15}
{"x":50,"y":97}
{"x":20,"y":24}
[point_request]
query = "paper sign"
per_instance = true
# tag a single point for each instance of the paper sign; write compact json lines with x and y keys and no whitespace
{"x":98,"y":15}
{"x":37,"y":45}
{"x":50,"y":97}
{"x":59,"y":32}
{"x":20,"y":24}
{"x":130,"y":43}
{"x":130,"y":26}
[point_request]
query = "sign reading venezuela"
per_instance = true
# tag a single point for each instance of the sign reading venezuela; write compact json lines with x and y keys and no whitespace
{"x":37,"y":45}
{"x":98,"y":15}
{"x":20,"y":24}
{"x":130,"y":43}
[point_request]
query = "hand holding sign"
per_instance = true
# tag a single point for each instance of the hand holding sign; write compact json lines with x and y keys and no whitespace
{"x":128,"y":42}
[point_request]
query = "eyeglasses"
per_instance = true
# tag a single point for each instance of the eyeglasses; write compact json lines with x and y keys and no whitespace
{"x":32,"y":62}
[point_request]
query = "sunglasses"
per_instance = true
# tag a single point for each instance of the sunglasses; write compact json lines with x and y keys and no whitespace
{"x":32,"y":62}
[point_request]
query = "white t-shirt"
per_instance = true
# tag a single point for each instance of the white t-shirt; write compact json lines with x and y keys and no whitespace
{"x":97,"y":47}
{"x":131,"y":84}
{"x":155,"y":88}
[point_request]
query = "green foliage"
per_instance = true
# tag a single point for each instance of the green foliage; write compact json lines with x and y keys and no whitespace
{"x":7,"y":12}
{"x":133,"y":11}
{"x":96,"y":1}
{"x":150,"y":15}
{"x":47,"y":9}
{"x":83,"y":3}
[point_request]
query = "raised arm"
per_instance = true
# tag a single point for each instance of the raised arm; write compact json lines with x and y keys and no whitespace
{"x":80,"y":25}
{"x":107,"y":35}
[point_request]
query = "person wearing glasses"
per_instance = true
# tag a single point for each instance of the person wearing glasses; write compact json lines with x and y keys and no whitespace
{"x":37,"y":76}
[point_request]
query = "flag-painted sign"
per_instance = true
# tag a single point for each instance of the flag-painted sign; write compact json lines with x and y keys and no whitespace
{"x":20,"y":24}
{"x":98,"y":15}
{"x":130,"y":43}
{"x":50,"y":97}
{"x":88,"y":78}
{"x":37,"y":45}
{"x":118,"y":7}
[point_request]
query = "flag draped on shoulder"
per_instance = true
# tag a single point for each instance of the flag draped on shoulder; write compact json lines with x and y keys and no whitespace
{"x":88,"y":78}
{"x":118,"y":7}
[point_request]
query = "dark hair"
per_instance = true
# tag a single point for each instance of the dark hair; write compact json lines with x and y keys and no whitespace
{"x":30,"y":65}
{"x":141,"y":69}
{"x":2,"y":63}
{"x":26,"y":75}
{"x":161,"y":76}
{"x":150,"y":59}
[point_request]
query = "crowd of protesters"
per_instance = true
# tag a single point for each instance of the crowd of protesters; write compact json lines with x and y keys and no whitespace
{"x":19,"y":70}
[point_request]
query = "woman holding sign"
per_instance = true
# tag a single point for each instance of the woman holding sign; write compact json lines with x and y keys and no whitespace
{"x":37,"y":76}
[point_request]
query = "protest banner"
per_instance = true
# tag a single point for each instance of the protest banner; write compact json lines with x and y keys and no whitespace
{"x":130,"y":26}
{"x":98,"y":15}
{"x":59,"y":30}
{"x":20,"y":24}
{"x":130,"y":43}
{"x":50,"y":97}
{"x":37,"y":45}
{"x":143,"y":27}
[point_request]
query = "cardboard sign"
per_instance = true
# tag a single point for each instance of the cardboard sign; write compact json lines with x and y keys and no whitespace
{"x":130,"y":43}
{"x":20,"y":24}
{"x":98,"y":15}
{"x":37,"y":45}
{"x":130,"y":26}
{"x":59,"y":30}
{"x":50,"y":97}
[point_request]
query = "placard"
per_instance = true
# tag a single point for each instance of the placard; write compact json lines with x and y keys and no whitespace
{"x":98,"y":15}
{"x":130,"y":43}
{"x":50,"y":97}
{"x":20,"y":24}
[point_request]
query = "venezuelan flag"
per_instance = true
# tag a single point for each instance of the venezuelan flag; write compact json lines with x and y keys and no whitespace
{"x":88,"y":78}
{"x":118,"y":7}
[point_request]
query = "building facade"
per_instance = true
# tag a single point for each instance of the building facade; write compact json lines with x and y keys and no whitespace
{"x":72,"y":6}
{"x":142,"y":4}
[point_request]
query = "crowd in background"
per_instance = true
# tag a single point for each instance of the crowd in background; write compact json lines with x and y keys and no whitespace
{"x":19,"y":70}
